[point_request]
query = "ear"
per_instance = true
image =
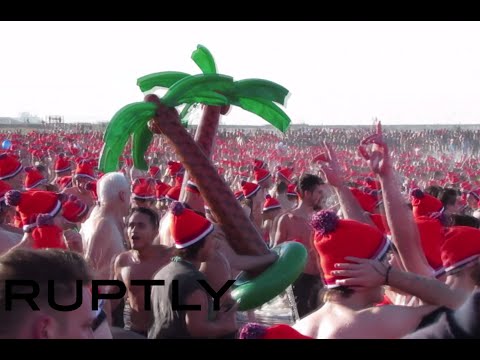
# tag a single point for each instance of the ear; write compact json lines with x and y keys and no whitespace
{"x":43,"y":327}
{"x":123,"y":196}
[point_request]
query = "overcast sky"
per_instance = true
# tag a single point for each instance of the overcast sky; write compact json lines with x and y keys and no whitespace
{"x":337,"y":72}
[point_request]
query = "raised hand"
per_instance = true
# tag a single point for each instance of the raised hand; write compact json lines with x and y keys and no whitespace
{"x":330,"y":166}
{"x":379,"y":158}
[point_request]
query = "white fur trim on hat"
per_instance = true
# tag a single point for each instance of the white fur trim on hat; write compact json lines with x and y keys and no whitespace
{"x":20,"y":168}
{"x":39,"y":182}
{"x":198,"y":238}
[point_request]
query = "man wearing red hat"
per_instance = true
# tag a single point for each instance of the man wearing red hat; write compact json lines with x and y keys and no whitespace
{"x":140,"y":263}
{"x":347,"y":311}
{"x":270,"y":211}
{"x":84,"y":174}
{"x":195,"y":244}
{"x":143,"y":193}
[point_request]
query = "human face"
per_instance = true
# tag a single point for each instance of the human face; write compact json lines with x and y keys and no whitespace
{"x":140,"y":231}
{"x":76,"y":324}
{"x":81,"y":182}
{"x":315,"y":197}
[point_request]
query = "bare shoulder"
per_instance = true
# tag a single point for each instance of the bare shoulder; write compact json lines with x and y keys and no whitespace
{"x":124,"y":259}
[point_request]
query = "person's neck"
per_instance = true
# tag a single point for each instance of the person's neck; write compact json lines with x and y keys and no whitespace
{"x":112,"y":210}
{"x":304,"y":209}
{"x":195,"y":262}
{"x":461,"y":282}
{"x":145,"y":253}
{"x":357,"y":301}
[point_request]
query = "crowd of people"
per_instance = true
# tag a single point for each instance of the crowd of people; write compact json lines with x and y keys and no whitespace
{"x":389,"y":218}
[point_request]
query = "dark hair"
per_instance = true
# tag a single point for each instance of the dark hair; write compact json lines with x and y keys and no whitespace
{"x":152,"y":215}
{"x":190,"y":252}
{"x":465,"y":220}
{"x":281,"y":187}
{"x":343,"y":291}
{"x":448,"y":196}
{"x":308,"y":182}
{"x":434,"y":190}
{"x":63,"y":267}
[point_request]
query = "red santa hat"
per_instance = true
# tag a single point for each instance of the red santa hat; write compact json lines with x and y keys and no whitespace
{"x":431,"y":233}
{"x":187,"y":227}
{"x":30,"y":204}
{"x":179,"y":179}
{"x":461,"y":246}
{"x":292,"y":190}
{"x":154,"y":171}
{"x":279,"y":331}
{"x":73,"y":210}
{"x":4,"y":187}
{"x":161,"y":190}
{"x":174,"y":168}
{"x":381,"y":223}
{"x":336,"y":239}
{"x":366,"y":201}
{"x":62,"y":164}
{"x":284,"y":174}
{"x":425,"y":204}
{"x":249,"y":189}
{"x":270,"y":204}
{"x":46,"y":235}
{"x":85,"y":169}
{"x":239,"y":195}
{"x":34,"y":178}
{"x":64,"y":182}
{"x":9,"y":166}
{"x":143,"y":189}
{"x":261,"y":175}
{"x":173,"y":194}
{"x":260,"y":164}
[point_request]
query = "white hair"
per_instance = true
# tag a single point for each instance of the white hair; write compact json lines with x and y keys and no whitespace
{"x":110,"y":185}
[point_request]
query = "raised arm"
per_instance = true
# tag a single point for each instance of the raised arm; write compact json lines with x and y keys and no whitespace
{"x":334,"y":176}
{"x":403,"y":228}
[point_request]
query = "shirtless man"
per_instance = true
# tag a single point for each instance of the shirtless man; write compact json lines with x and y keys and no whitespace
{"x":294,"y":225}
{"x":102,"y":233}
{"x":140,"y":263}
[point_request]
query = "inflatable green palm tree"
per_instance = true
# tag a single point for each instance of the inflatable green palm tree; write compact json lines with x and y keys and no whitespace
{"x":209,"y":88}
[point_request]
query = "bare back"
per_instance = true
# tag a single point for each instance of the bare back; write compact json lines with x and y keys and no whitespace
{"x":336,"y":321}
{"x":291,"y":226}
{"x":103,"y":240}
